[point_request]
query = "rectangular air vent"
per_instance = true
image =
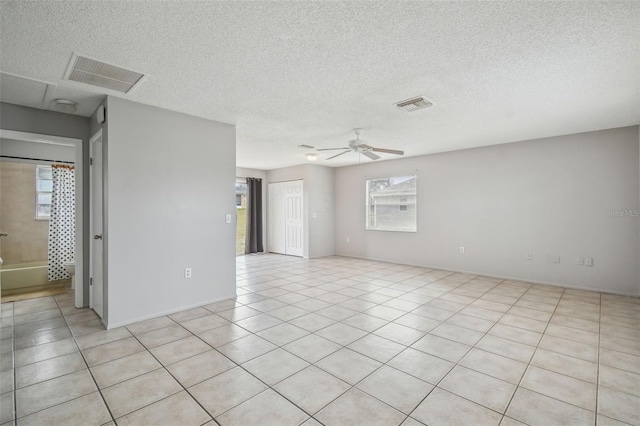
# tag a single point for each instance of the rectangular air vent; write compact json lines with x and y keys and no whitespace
{"x":96,"y":73}
{"x":414,"y":104}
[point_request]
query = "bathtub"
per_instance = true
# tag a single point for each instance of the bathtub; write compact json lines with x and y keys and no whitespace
{"x":24,"y":277}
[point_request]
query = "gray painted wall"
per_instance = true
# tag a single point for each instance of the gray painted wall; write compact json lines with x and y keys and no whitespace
{"x":48,"y":152}
{"x":25,"y":119}
{"x":319,"y":212}
{"x":547,"y":197}
{"x":170,"y":184}
{"x":322,"y":217}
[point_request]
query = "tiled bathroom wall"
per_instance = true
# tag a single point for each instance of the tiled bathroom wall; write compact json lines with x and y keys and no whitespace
{"x":28,"y":237}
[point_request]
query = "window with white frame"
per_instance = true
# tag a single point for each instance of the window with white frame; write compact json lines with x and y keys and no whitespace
{"x":241,"y":193}
{"x":391,"y":204}
{"x":44,"y":190}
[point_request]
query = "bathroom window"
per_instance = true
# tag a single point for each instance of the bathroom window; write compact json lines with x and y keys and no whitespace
{"x":44,"y":189}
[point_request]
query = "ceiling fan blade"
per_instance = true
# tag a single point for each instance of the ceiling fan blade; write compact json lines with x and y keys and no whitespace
{"x":388,"y":151}
{"x":338,"y":155}
{"x":370,"y":154}
{"x":330,"y":149}
{"x":365,"y":146}
{"x":306,"y":146}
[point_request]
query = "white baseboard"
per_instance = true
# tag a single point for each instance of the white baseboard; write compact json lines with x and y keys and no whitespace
{"x":169,"y":312}
{"x":503,"y":277}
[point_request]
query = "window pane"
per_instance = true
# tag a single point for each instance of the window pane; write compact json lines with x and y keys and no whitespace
{"x":45,"y":185}
{"x":241,"y":188}
{"x":44,"y":198}
{"x":44,"y":210}
{"x":45,"y":173}
{"x":392,"y":204}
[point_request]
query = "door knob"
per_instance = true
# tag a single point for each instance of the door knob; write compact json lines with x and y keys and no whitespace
{"x":97,"y":237}
{"x":3,"y":234}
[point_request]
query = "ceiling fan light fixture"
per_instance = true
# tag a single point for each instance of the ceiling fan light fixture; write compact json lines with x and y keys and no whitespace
{"x":312,"y":157}
{"x":65,"y":105}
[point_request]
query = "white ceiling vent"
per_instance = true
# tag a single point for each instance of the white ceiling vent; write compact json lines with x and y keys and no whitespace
{"x":96,"y":73}
{"x":414,"y":104}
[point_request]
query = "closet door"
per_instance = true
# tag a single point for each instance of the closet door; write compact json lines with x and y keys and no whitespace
{"x":286,"y":218}
{"x":294,"y":219}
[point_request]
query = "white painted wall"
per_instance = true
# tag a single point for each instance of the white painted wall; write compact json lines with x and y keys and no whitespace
{"x":319,"y":212}
{"x":547,"y":196}
{"x":169,"y":185}
{"x":261,"y":174}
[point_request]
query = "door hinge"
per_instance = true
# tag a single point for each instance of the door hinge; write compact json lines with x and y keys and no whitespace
{"x":91,"y":161}
{"x":91,"y":281}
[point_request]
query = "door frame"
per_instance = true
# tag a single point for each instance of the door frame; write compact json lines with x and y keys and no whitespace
{"x":82,"y":285}
{"x":97,"y":136}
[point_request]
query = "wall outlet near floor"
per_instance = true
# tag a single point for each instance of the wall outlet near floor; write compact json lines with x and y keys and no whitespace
{"x":227,"y":218}
{"x":580,"y":260}
{"x":187,"y":272}
{"x":529,"y":256}
{"x":348,"y":239}
{"x":461,"y":250}
{"x":588,"y":261}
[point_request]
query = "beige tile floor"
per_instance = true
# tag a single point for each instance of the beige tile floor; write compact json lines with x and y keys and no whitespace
{"x":332,"y":341}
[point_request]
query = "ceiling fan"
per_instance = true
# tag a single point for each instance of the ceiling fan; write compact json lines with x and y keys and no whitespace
{"x":358,"y":145}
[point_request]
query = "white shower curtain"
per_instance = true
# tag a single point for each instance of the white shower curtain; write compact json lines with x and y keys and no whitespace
{"x":62,"y":224}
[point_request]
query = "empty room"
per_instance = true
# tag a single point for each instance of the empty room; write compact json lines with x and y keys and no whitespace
{"x":319,"y":213}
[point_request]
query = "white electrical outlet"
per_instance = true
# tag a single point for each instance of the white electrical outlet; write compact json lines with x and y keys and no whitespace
{"x":187,"y":272}
{"x":529,"y":256}
{"x":228,"y":218}
{"x":588,"y":261}
{"x":580,"y":260}
{"x":461,"y":250}
{"x":348,"y":239}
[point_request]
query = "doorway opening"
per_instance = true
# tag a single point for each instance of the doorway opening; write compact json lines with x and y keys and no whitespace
{"x":35,"y":153}
{"x":241,"y":215}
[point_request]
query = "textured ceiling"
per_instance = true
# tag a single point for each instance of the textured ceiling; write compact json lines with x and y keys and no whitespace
{"x":290,"y":73}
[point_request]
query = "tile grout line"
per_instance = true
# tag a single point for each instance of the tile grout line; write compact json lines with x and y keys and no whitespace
{"x":531,"y":358}
{"x":232,"y":361}
{"x":314,"y":364}
{"x":406,"y":347}
{"x":43,"y":381}
{"x":75,"y":341}
{"x":164,"y":367}
{"x":340,"y":275}
{"x":470,"y":349}
{"x":441,"y":322}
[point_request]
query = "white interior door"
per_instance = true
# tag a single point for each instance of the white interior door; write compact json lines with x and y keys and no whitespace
{"x":96,"y":293}
{"x":294,"y":219}
{"x":286,"y":218}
